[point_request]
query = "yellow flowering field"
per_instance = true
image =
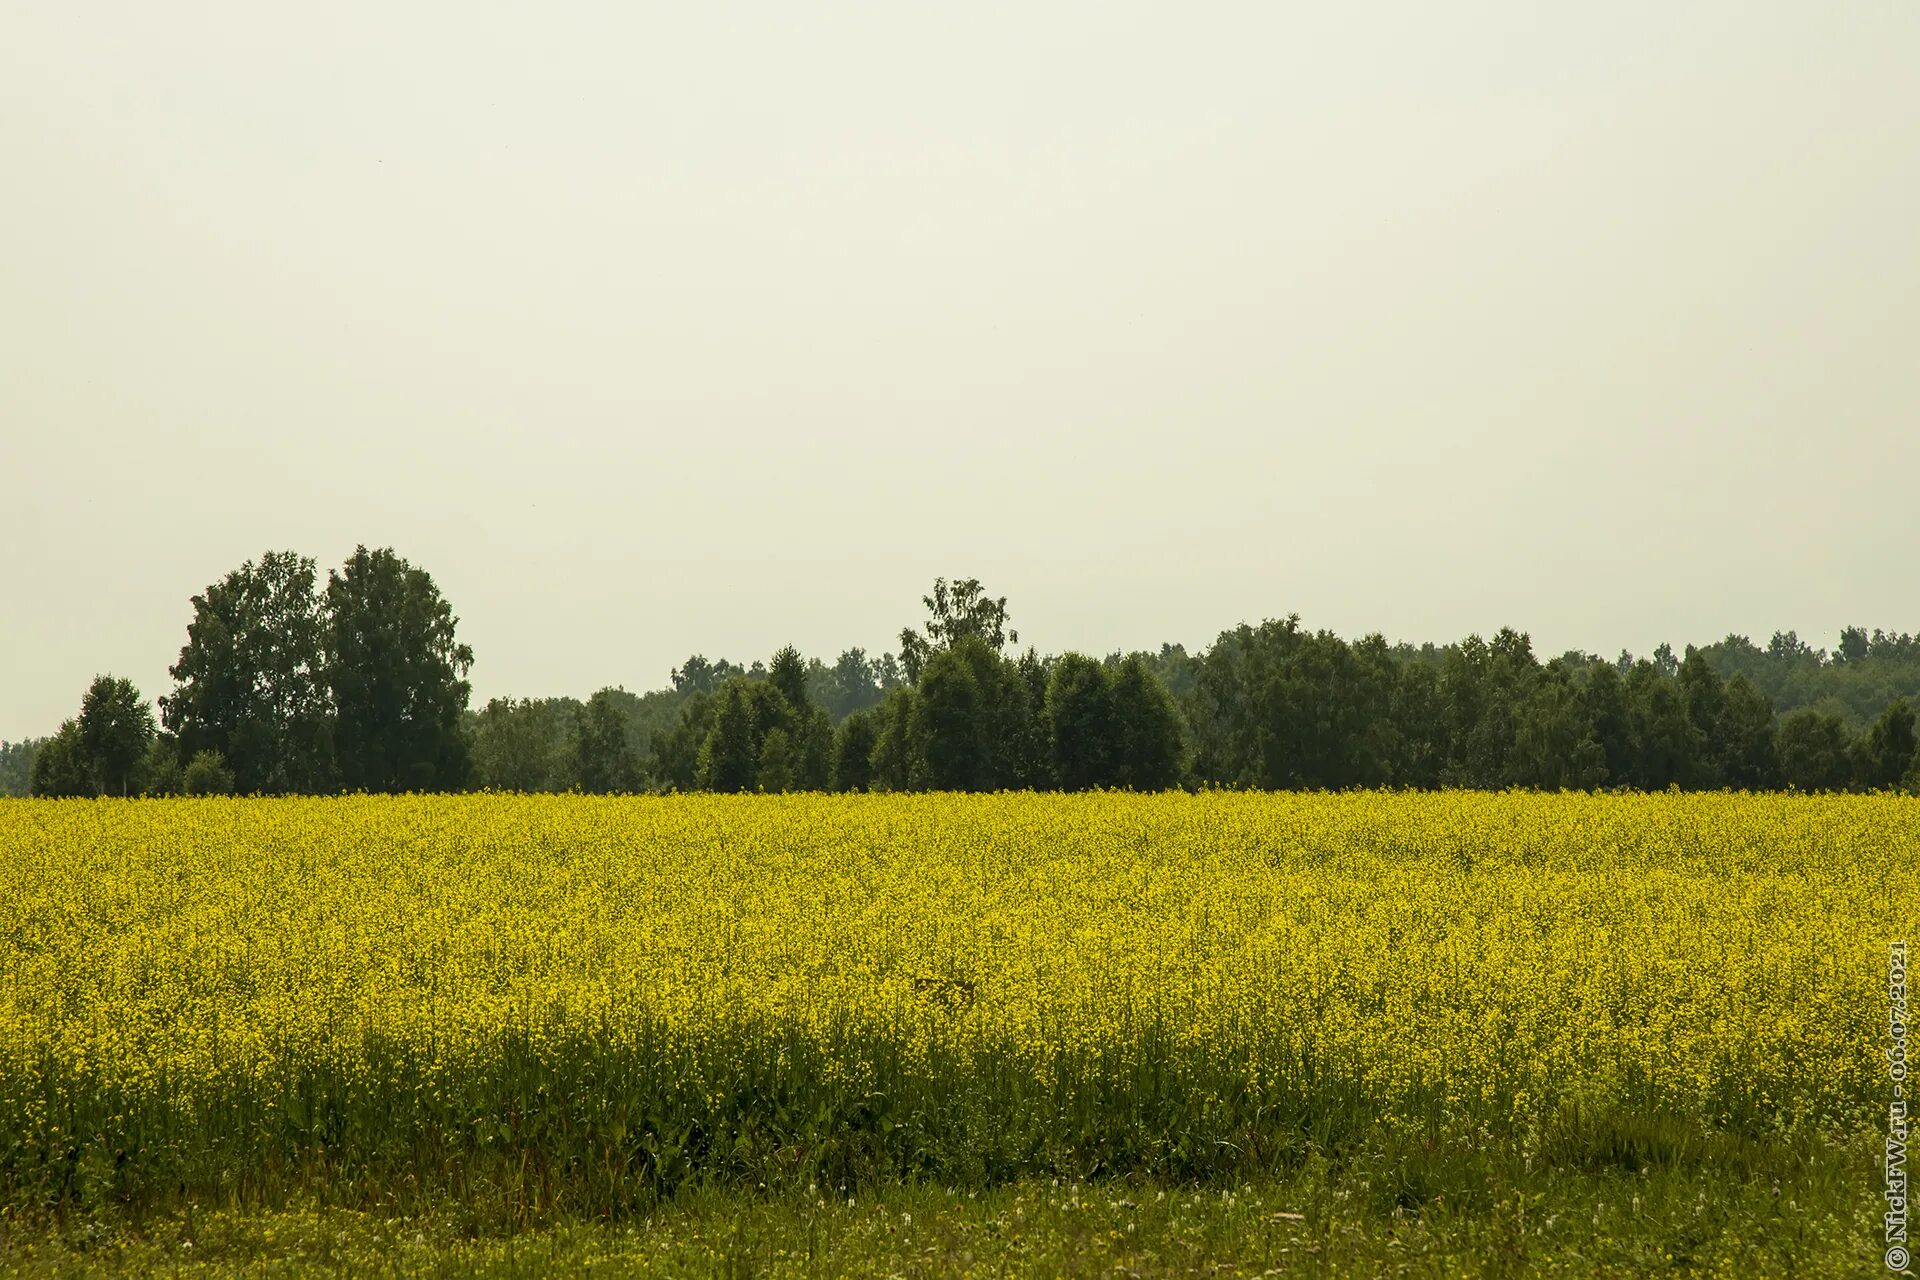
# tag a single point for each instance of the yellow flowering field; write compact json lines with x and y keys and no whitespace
{"x":606,"y":996}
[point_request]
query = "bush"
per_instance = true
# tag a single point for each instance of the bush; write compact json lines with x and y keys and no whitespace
{"x":207,"y":775}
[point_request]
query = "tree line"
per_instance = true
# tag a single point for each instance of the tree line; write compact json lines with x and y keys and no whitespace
{"x":285,"y":687}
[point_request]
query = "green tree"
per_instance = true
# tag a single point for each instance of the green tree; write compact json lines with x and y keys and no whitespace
{"x":951,"y":725}
{"x":697,"y":675}
{"x":159,"y":769}
{"x":775,"y":770}
{"x":1746,"y":754}
{"x":1888,"y":750}
{"x":958,"y":611}
{"x":1706,"y":699}
{"x":730,"y":754}
{"x":1150,"y":750}
{"x":250,"y":682}
{"x":974,"y":726}
{"x":1554,"y":747}
{"x":675,"y":756}
{"x":890,"y":674}
{"x":807,"y":727}
{"x":1813,"y":751}
{"x":851,"y":684}
{"x":1603,"y":702}
{"x":1021,"y":709}
{"x":526,"y":745}
{"x":1083,"y":723}
{"x":206,"y":775}
{"x":397,"y":674}
{"x":1277,"y":706}
{"x":853,"y":744}
{"x":788,"y":676}
{"x":606,"y":760}
{"x":813,"y":750}
{"x":900,"y":749}
{"x":1226,"y":732}
{"x":61,"y":767}
{"x":1419,"y":717}
{"x":116,"y":725}
{"x":1853,"y":645}
{"x":16,"y":766}
{"x":1487,"y":686}
{"x":1667,"y":748}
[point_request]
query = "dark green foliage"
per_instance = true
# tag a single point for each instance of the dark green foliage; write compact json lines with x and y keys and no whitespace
{"x":1082,"y":723}
{"x":1705,"y":696}
{"x":104,"y":751}
{"x":1420,"y":723}
{"x":1813,"y":749}
{"x":397,"y":676}
{"x":206,"y":775}
{"x":1667,"y":749}
{"x":853,"y":683}
{"x":61,"y":767}
{"x":251,"y":681}
{"x":973,"y":722}
{"x":1853,"y":645}
{"x":768,"y":708}
{"x":1151,"y":742}
{"x":367,"y":687}
{"x":16,"y":766}
{"x":160,"y":771}
{"x":674,"y":759}
{"x":899,"y":751}
{"x":746,"y":714}
{"x":1487,"y":685}
{"x":853,"y":744}
{"x":1861,"y":678}
{"x":730,"y":754}
{"x":605,"y":757}
{"x":116,"y":726}
{"x":1554,"y":745}
{"x":803,"y":758}
{"x":1603,"y":701}
{"x":1275,"y":706}
{"x":1887,"y":752}
{"x":697,"y":675}
{"x":647,"y":716}
{"x":526,"y":745}
{"x":952,"y":714}
{"x":813,"y":733}
{"x":1028,"y":749}
{"x":1745,"y":752}
{"x":788,"y":676}
{"x":1282,"y":707}
{"x":775,"y":771}
{"x":957,"y":612}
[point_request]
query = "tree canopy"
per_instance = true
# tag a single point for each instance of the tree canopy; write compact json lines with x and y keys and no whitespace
{"x":280,"y":688}
{"x":397,"y":675}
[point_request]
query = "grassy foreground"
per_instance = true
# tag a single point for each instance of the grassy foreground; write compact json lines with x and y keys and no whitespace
{"x":1317,"y":1220}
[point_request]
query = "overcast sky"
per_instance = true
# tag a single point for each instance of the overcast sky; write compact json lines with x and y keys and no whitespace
{"x":650,"y":329}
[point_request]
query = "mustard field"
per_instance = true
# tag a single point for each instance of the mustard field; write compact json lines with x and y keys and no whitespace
{"x":573,"y":1005}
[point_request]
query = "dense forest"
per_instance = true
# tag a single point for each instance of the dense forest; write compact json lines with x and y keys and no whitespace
{"x":287,"y":687}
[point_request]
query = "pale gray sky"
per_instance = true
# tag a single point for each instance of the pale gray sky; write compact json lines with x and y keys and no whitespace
{"x":659,"y":328}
